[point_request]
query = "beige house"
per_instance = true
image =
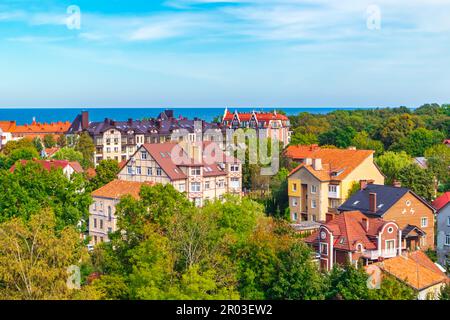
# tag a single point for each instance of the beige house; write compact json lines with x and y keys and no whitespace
{"x":200,"y":170}
{"x":320,"y":184}
{"x":102,"y":212}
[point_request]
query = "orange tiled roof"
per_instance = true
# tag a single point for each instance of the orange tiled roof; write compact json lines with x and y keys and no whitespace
{"x":39,"y":128}
{"x":348,"y":230}
{"x":119,"y":188}
{"x":90,"y":172}
{"x":342,"y":161}
{"x":7,"y":126}
{"x":414,"y":269}
{"x":51,"y":151}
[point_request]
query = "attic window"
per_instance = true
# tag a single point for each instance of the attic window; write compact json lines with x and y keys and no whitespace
{"x":336,"y":173}
{"x":342,"y":240}
{"x":162,"y":154}
{"x":355,"y":203}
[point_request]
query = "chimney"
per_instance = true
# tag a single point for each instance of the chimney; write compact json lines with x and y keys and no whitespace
{"x":308,"y":161}
{"x":328,"y":217}
{"x":365,"y":223}
{"x":363,"y":184}
{"x":84,"y":120}
{"x":351,"y":148}
{"x":317,"y":164}
{"x":397,"y":184}
{"x":373,"y":202}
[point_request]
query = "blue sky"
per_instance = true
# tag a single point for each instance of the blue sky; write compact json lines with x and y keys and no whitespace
{"x":211,"y":53}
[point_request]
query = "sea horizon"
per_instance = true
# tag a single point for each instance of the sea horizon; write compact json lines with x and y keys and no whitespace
{"x":53,"y":114}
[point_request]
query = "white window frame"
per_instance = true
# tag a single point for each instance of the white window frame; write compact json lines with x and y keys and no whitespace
{"x":313,"y":203}
{"x":294,"y":202}
{"x":159,"y":172}
{"x":194,"y":187}
{"x":138,"y":170}
{"x":235,"y":183}
{"x":422,"y":224}
{"x":331,"y":187}
{"x":182,"y":187}
{"x":294,"y":186}
{"x":448,"y":221}
{"x":144,"y":155}
{"x":447,"y":239}
{"x":313,"y":188}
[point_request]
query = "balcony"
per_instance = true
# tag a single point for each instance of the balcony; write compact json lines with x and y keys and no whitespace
{"x":376,"y":254}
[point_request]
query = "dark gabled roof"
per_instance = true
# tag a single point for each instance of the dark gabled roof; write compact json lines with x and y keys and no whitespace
{"x":410,"y":228}
{"x":387,"y":196}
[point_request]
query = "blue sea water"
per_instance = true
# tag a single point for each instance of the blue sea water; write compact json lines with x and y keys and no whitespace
{"x":23,"y":116}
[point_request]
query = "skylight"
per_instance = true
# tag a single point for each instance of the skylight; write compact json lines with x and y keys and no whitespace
{"x":355,"y":203}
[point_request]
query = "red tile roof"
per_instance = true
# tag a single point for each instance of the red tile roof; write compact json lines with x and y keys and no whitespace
{"x":348,"y":230}
{"x":342,"y":161}
{"x":119,"y":188}
{"x":170,"y":156}
{"x":441,"y":201}
{"x":53,"y":164}
{"x":260,"y":116}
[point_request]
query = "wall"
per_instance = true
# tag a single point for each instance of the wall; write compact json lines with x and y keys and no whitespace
{"x":442,"y":230}
{"x":403,"y":214}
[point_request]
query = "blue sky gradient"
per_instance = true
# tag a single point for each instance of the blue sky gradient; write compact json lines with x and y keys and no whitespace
{"x":210,"y":53}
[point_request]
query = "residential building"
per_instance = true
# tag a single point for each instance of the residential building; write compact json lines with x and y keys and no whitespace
{"x":68,"y":167}
{"x":202,"y":171}
{"x":442,"y":206}
{"x":321,"y":182}
{"x":102,"y":211}
{"x":418,"y":272}
{"x":6,"y":128}
{"x":401,"y":205}
{"x":119,"y":140}
{"x":266,"y":124}
{"x":351,"y":237}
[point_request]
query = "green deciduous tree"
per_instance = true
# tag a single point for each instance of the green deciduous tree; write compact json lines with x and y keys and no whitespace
{"x":106,"y":171}
{"x":418,"y":180}
{"x":418,"y":140}
{"x":34,"y":258}
{"x":49,"y":141}
{"x":31,"y":187}
{"x":70,"y":154}
{"x":364,"y":142}
{"x":391,"y":163}
{"x":348,"y":283}
{"x":86,"y":146}
{"x":339,"y":137}
{"x":438,"y":162}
